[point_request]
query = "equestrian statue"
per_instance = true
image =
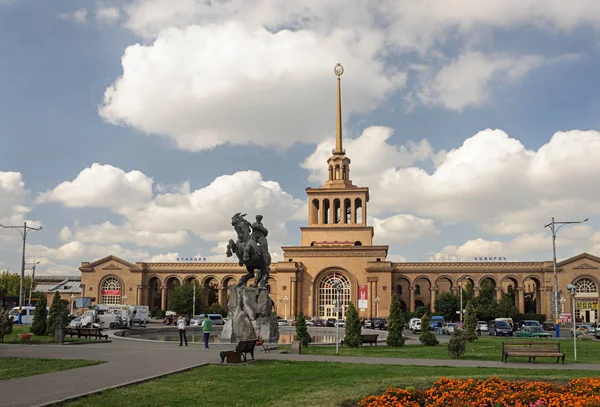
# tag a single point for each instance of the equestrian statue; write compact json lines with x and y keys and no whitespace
{"x":251,"y":249}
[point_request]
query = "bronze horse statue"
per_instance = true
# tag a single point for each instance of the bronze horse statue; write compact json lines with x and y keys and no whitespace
{"x":249,"y":250}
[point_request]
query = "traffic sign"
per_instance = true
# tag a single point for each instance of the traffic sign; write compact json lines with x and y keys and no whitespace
{"x":565,"y":317}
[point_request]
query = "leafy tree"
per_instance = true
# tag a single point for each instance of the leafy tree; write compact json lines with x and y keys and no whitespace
{"x":5,"y":324}
{"x":302,"y":334}
{"x":39,"y":326}
{"x":395,"y":324}
{"x":457,"y":345}
{"x":487,"y":291}
{"x":506,"y":307}
{"x":57,"y":318}
{"x":427,"y":337}
{"x":183,"y":297}
{"x":530,"y":303}
{"x":470,"y":323}
{"x":10,"y":284}
{"x":446,"y":304}
{"x":419,"y":311}
{"x":353,"y":338}
{"x":216,"y":308}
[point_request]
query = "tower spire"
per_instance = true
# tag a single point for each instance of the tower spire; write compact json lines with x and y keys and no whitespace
{"x":339,"y":150}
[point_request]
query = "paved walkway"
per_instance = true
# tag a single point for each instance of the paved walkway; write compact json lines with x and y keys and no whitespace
{"x":131,"y":361}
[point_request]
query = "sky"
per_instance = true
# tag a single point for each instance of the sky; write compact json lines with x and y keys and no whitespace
{"x":138,"y":128}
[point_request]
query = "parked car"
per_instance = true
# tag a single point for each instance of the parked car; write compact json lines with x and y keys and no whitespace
{"x":500,"y":328}
{"x":75,"y":323}
{"x":449,"y":328}
{"x":283,"y":322}
{"x":319,"y":322}
{"x":583,"y":330}
{"x":341,"y":323}
{"x":411,"y":324}
{"x":532,"y":331}
{"x":310,"y":323}
{"x":417,"y":326}
{"x":172,"y":319}
{"x":217,"y":319}
{"x":379,"y":323}
{"x":482,"y":326}
{"x":549,"y":326}
{"x":527,"y":322}
{"x":331,"y":321}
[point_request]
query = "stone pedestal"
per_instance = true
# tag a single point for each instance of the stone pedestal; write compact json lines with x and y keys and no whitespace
{"x":250,"y":315}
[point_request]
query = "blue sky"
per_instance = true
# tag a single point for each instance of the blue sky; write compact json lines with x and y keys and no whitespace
{"x":138,"y":128}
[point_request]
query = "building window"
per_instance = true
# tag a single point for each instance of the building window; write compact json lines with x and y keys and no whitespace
{"x":417,"y":289}
{"x":111,"y":291}
{"x":399,"y":289}
{"x":585,"y":285}
{"x":328,"y":295}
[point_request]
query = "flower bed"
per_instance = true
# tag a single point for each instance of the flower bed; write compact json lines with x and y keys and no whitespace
{"x":492,"y":392}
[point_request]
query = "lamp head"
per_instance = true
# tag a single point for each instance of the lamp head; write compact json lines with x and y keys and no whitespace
{"x":570,"y":287}
{"x":586,"y":219}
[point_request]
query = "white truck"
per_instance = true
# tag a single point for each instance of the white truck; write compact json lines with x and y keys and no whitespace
{"x":115,"y":316}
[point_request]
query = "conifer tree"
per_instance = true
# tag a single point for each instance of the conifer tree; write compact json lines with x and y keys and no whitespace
{"x":58,"y":314}
{"x":40,"y":317}
{"x":5,"y":324}
{"x":302,"y":334}
{"x":395,"y":324}
{"x":353,"y":338}
{"x":470,"y":322}
{"x":427,"y":337}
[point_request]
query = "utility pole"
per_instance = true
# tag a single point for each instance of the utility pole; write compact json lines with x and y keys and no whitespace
{"x":194,"y":301}
{"x":35,"y":263}
{"x":24,"y":232}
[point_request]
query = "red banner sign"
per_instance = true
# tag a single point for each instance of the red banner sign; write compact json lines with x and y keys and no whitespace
{"x":111,"y":292}
{"x":362,"y":292}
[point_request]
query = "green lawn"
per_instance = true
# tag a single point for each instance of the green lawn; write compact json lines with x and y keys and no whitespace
{"x":281,"y":383}
{"x":485,"y":348}
{"x":17,"y":329}
{"x":11,"y":368}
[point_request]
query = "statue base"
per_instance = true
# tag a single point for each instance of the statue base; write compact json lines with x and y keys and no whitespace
{"x":250,"y":314}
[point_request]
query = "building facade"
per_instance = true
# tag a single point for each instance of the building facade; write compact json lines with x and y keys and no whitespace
{"x":336,"y":259}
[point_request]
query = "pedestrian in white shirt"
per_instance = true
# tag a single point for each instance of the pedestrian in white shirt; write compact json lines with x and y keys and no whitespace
{"x":181,"y":327}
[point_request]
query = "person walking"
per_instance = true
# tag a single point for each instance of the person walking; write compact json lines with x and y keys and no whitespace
{"x":207,"y":329}
{"x":181,"y":327}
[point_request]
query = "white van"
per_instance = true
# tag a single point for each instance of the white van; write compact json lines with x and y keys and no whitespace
{"x":413,"y":321}
{"x":509,"y":321}
{"x":417,"y":326}
{"x":26,"y":315}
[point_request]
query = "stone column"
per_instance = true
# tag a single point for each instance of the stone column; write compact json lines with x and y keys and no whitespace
{"x":521,"y":299}
{"x":411,"y":299}
{"x":331,"y":211}
{"x":163,"y":297}
{"x":352,"y":211}
{"x":499,"y":293}
{"x":293,"y":298}
{"x":538,"y":300}
{"x":432,"y":298}
{"x":371,"y":300}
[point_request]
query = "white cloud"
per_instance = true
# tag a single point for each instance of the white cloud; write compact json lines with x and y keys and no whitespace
{"x":107,"y":15}
{"x":241,"y":84}
{"x":207,"y":212}
{"x":76,"y":251}
{"x":492,"y":180}
{"x":102,"y":186}
{"x":108,"y":233}
{"x":402,"y":229}
{"x":78,"y":16}
{"x":376,"y":155}
{"x":164,"y":258}
{"x":13,"y":197}
{"x":467,"y":80}
{"x":65,"y":234}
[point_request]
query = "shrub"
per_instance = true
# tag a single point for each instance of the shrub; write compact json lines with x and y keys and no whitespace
{"x":40,"y":316}
{"x":457,"y":345}
{"x":158,"y":313}
{"x":395,"y":324}
{"x":352,"y":339}
{"x":427,"y":337}
{"x":5,"y":324}
{"x":302,"y":334}
{"x":470,"y":323}
{"x":57,"y":318}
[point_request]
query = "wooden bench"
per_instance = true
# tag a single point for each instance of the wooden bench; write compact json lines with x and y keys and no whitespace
{"x":71,"y":332}
{"x":267,"y":348}
{"x":532,"y":350}
{"x":241,"y":350}
{"x":95,"y":333}
{"x":369,"y":338}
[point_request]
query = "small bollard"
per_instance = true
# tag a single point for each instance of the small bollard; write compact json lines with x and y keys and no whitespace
{"x":296,"y":348}
{"x":59,"y":335}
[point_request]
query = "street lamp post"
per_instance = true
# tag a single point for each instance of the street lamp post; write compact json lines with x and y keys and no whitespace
{"x":194,"y":300}
{"x":72,"y":296}
{"x":573,"y":290}
{"x":377,"y":306}
{"x":338,"y":308}
{"x":24,"y":232}
{"x":555,"y":293}
{"x":460,"y":280}
{"x":285,"y":301}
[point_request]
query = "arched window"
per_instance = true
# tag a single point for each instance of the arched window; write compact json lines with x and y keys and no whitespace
{"x":328,"y":295}
{"x":399,"y":289}
{"x":111,"y":291}
{"x":417,"y":289}
{"x":585,"y":285}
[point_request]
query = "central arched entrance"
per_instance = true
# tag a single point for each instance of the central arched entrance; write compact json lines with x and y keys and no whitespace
{"x":328,"y":295}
